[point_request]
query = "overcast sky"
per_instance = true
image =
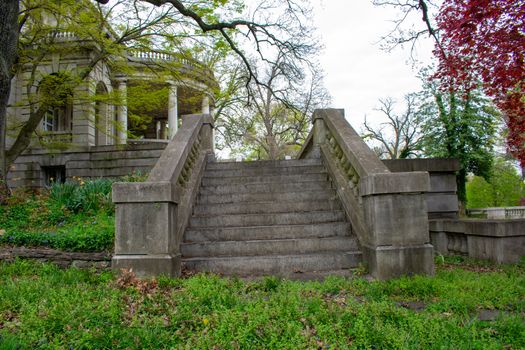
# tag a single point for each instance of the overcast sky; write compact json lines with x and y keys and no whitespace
{"x":358,"y":72}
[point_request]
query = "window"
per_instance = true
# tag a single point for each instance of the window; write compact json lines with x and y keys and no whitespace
{"x":54,"y":174}
{"x":54,"y":89}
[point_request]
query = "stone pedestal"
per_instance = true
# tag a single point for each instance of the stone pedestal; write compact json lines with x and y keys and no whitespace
{"x":145,"y":239}
{"x":397,"y":240}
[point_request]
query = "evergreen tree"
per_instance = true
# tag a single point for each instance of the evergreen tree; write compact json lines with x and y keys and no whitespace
{"x":459,"y":124}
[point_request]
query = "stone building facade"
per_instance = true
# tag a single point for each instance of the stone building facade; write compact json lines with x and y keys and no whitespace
{"x":92,"y":125}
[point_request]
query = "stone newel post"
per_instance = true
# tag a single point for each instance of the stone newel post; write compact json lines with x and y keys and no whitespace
{"x":151,"y":216}
{"x":388,"y":211}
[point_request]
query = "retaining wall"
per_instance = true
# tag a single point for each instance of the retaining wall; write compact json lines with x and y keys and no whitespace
{"x":29,"y":170}
{"x":502,"y":241}
{"x":97,"y":260}
{"x":442,"y":199}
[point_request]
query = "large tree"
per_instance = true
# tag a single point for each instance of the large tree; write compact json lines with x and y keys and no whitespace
{"x":485,"y":39}
{"x":186,"y":26}
{"x":400,"y":136}
{"x":8,"y":41}
{"x":42,"y":29}
{"x":475,"y":41}
{"x":459,"y":124}
{"x":271,"y":120}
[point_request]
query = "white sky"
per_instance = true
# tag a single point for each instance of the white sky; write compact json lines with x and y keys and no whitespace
{"x":357,"y":71}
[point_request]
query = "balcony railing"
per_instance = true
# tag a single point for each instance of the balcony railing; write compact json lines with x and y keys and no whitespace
{"x":498,"y":213}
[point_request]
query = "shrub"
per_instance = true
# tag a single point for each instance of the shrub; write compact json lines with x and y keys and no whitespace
{"x":92,"y":195}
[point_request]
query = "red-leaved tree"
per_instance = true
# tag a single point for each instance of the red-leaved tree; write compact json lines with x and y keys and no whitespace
{"x":485,"y":40}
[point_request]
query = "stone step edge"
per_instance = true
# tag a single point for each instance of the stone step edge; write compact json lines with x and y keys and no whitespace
{"x":274,"y":240}
{"x":206,"y":176}
{"x":266,"y":226}
{"x":277,"y":213}
{"x":312,"y":192}
{"x":265,"y":183}
{"x":267,"y":163}
{"x":272,"y":256}
{"x":326,"y":200}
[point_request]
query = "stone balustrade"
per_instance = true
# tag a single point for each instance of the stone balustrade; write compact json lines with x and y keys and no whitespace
{"x":502,"y":241}
{"x":387,"y":210}
{"x":160,"y":56}
{"x":151,"y":216}
{"x":498,"y":213}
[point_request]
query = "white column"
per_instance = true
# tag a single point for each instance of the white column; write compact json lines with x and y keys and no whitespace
{"x":122,"y":113}
{"x":205,"y":105}
{"x":172,"y":111}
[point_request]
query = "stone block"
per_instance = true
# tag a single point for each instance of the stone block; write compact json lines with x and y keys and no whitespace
{"x":145,"y":228}
{"x":503,"y":250}
{"x":385,"y":262}
{"x":396,"y":219}
{"x":440,"y":242}
{"x":443,"y":182}
{"x":423,"y":164}
{"x":442,"y":202}
{"x":142,"y":192}
{"x":387,"y":183}
{"x":149,"y":265}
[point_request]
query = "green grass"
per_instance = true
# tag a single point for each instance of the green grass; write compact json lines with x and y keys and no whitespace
{"x":44,"y":307}
{"x":77,"y":216}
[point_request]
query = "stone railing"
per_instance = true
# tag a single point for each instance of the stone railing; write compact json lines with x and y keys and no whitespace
{"x":160,"y":56}
{"x":387,"y":210}
{"x":151,"y":216}
{"x":502,"y":241}
{"x":201,"y":72}
{"x":64,"y":35}
{"x":498,"y":213}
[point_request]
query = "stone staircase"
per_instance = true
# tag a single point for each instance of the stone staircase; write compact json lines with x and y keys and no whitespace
{"x":268,"y":217}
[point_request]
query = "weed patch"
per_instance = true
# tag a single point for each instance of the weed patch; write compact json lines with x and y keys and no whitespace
{"x":44,"y":307}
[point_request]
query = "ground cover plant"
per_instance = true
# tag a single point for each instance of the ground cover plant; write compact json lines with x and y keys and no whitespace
{"x":74,"y":216}
{"x":43,"y":307}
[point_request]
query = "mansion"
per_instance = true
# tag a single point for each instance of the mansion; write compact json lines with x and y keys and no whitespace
{"x":90,"y":133}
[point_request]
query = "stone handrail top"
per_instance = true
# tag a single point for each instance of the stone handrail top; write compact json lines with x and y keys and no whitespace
{"x":172,"y":160}
{"x":356,"y":151}
{"x":497,"y":208}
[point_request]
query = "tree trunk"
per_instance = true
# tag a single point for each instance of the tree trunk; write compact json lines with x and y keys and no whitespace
{"x":8,"y":43}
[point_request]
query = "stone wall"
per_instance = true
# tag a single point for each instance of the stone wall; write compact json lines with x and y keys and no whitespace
{"x":29,"y":170}
{"x":502,"y":241}
{"x":442,"y":200}
{"x":97,"y":260}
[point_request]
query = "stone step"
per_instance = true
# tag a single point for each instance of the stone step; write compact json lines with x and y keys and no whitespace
{"x":307,"y":169}
{"x":274,"y":264}
{"x":236,"y":180}
{"x":268,"y":247}
{"x":312,"y":217}
{"x":307,"y":195}
{"x":262,"y":164}
{"x":319,"y":275}
{"x":329,"y":229}
{"x":266,"y":187}
{"x":265,"y":207}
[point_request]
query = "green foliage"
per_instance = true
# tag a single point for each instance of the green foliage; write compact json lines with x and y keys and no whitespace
{"x":45,"y":307}
{"x":81,"y":233}
{"x":145,"y":99}
{"x":480,"y":193}
{"x":56,"y":90}
{"x":76,"y":216}
{"x":86,"y":196}
{"x":135,"y":176}
{"x":457,"y":124}
{"x":507,"y":184}
{"x":505,"y":188}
